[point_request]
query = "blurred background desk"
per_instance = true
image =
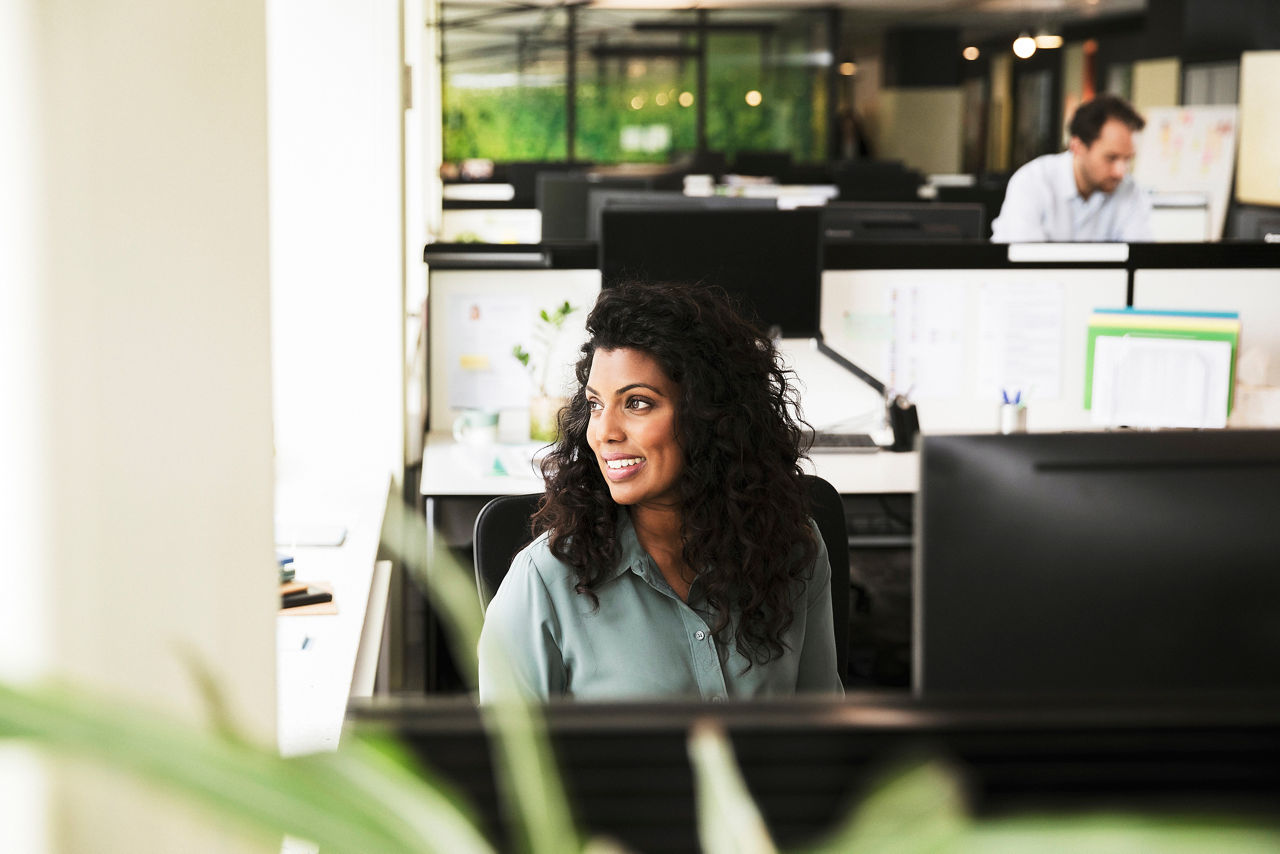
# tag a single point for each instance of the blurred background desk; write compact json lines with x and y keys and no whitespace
{"x":322,"y":660}
{"x":451,"y":470}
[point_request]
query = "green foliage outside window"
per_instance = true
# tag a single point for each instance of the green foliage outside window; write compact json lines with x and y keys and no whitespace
{"x":528,"y":122}
{"x":512,"y":123}
{"x":791,"y":116}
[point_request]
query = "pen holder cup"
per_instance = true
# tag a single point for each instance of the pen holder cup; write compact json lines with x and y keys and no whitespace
{"x":1013,"y":418}
{"x":904,"y":421}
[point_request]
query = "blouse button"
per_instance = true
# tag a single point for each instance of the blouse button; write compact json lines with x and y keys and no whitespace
{"x":700,"y":634}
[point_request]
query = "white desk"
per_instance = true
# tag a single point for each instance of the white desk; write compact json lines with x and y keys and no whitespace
{"x":322,"y":660}
{"x":450,"y":470}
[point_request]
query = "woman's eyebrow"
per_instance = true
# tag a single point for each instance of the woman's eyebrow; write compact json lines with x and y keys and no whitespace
{"x":627,"y":388}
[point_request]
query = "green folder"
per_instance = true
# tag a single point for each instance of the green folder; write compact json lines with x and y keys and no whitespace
{"x":1217,"y":326}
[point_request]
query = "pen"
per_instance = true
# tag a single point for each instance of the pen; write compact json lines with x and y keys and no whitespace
{"x":1018,"y":397}
{"x":1005,"y":394}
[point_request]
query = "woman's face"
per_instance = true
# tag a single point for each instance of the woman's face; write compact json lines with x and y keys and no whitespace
{"x":633,"y":427}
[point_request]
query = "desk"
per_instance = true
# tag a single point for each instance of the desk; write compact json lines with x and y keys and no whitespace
{"x":453,"y":471}
{"x":323,"y":660}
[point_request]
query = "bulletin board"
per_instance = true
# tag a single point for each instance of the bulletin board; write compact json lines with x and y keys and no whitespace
{"x":1190,"y":150}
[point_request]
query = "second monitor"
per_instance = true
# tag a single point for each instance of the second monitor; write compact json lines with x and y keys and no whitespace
{"x":1094,"y":565}
{"x":886,"y":221}
{"x":770,"y":260}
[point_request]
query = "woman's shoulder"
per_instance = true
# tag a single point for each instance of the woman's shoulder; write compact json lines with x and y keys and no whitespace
{"x":536,"y":560}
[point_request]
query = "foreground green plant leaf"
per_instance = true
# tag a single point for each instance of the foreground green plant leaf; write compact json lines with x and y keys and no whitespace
{"x":728,"y":820}
{"x":528,"y":776}
{"x":354,"y":801}
{"x":918,"y":807}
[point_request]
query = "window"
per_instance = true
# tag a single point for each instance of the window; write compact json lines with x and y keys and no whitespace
{"x":630,"y":90}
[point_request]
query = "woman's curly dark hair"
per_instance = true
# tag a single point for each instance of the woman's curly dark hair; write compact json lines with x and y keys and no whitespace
{"x":744,"y":507}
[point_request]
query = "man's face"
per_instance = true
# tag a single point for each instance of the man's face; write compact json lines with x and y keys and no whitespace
{"x":1103,"y":165}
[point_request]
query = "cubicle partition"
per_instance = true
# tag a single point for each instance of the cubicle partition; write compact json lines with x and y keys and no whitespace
{"x":1241,"y":278}
{"x":957,"y":327}
{"x":479,"y":312}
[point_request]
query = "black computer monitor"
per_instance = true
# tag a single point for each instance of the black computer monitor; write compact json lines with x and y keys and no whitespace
{"x":600,"y":198}
{"x":806,"y":763}
{"x":1254,"y":222}
{"x":876,"y":181}
{"x":1098,"y":564}
{"x":562,"y":200}
{"x":771,"y":260}
{"x":766,"y":164}
{"x":890,"y":221}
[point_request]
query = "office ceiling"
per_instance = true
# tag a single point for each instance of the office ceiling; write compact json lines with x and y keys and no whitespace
{"x":484,"y":32}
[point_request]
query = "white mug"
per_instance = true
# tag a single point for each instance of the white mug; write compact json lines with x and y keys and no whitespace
{"x":476,"y":427}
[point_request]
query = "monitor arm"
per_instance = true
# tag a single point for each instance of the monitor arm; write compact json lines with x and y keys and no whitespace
{"x":849,"y":366}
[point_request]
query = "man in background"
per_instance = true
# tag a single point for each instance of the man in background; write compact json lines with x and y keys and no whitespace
{"x":1085,"y":193}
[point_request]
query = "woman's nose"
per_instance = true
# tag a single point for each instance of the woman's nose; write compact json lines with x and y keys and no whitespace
{"x":608,"y":425}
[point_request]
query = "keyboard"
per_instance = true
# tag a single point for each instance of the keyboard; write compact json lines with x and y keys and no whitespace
{"x":824,"y":441}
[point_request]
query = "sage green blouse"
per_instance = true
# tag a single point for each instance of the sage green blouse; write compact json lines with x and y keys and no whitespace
{"x":643,"y":641}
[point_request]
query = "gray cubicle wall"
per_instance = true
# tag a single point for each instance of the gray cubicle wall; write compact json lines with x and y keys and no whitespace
{"x":523,"y":292}
{"x":989,"y":323}
{"x":956,"y":328}
{"x":1226,"y":277}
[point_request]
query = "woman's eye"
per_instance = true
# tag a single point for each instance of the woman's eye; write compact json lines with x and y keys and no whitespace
{"x":639,"y":403}
{"x":594,"y":405}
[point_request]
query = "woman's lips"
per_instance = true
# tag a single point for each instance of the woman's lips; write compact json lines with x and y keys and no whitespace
{"x":621,"y":468}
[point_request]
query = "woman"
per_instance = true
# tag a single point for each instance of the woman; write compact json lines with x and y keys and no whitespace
{"x":676,"y":557}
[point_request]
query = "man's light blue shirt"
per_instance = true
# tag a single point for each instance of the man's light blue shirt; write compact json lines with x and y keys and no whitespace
{"x":643,"y":641}
{"x":1043,"y":205}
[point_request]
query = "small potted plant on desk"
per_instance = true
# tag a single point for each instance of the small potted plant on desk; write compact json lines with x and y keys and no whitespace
{"x":544,"y":406}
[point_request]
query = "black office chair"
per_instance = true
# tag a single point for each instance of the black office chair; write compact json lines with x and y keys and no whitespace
{"x":504,"y":526}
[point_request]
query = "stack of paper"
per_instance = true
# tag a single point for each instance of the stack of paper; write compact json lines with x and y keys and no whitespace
{"x":1147,"y":368}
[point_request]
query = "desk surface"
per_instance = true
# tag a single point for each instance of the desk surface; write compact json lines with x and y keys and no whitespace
{"x":318,"y":656}
{"x":453,"y":470}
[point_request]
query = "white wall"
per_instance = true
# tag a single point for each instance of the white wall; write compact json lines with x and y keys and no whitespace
{"x":337,"y":272}
{"x":922,"y":127}
{"x":135,"y":168}
{"x":24,"y":586}
{"x":1156,"y":83}
{"x":1258,"y":175}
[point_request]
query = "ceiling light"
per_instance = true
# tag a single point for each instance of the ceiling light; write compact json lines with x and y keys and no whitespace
{"x":1045,"y":41}
{"x":848,"y":69}
{"x":1024,"y":46}
{"x":971,"y":53}
{"x":754,"y":98}
{"x":686,"y":99}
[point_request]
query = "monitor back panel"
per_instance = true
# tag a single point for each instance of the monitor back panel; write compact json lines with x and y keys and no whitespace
{"x":1098,"y":564}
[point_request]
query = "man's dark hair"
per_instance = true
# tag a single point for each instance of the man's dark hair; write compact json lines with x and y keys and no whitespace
{"x":1090,"y":116}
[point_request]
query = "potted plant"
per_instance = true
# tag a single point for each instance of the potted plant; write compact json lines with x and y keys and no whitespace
{"x":545,"y":404}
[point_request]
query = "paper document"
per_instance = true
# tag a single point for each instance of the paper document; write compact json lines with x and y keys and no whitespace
{"x":483,"y":373}
{"x":927,"y":352}
{"x":1160,"y":382}
{"x":1020,"y":341}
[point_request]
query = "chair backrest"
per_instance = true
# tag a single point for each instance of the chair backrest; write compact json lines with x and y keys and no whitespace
{"x":504,"y":526}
